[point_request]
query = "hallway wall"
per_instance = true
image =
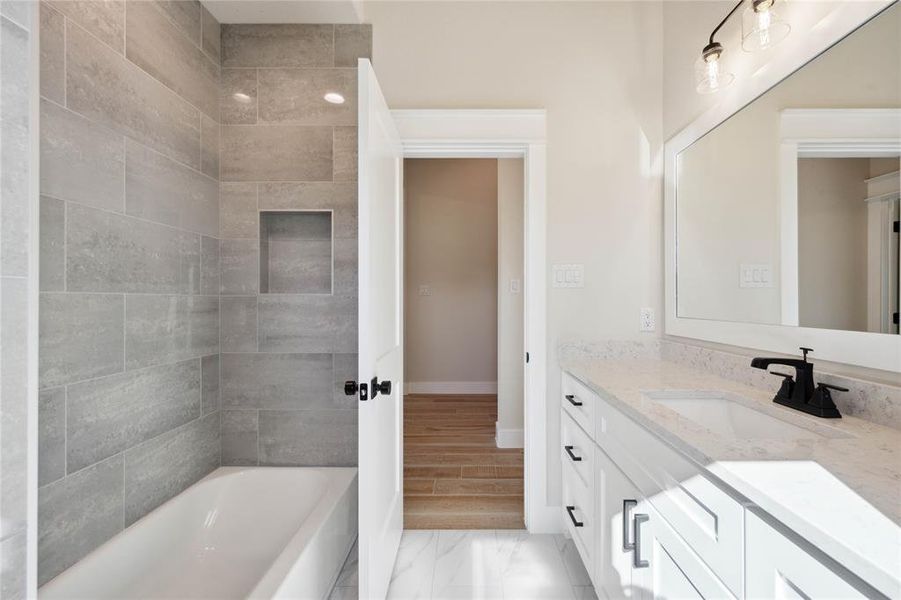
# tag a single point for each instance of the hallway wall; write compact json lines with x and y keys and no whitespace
{"x":129,"y":266}
{"x":450,"y":249}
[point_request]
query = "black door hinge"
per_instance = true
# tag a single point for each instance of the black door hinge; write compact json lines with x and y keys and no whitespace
{"x":896,"y":226}
{"x":527,"y":357}
{"x":895,"y":318}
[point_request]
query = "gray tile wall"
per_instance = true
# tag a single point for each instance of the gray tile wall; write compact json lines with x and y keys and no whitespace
{"x":17,"y":204}
{"x":129,"y":327}
{"x":285,"y":355}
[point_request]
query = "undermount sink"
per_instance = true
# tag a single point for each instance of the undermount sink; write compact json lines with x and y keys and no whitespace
{"x":730,"y":415}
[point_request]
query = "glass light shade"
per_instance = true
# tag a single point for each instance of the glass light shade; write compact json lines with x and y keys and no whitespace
{"x":761,"y":26}
{"x":710,"y":74}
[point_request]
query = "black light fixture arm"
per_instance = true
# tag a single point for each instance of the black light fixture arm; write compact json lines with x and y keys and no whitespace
{"x":723,"y":22}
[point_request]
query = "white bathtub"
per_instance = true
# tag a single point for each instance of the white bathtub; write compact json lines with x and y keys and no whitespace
{"x":257,"y":532}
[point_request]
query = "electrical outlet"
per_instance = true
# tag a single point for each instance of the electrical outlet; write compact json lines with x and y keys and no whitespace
{"x":646,"y":319}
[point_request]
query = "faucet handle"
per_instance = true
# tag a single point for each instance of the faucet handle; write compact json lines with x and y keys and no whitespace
{"x":776,"y":373}
{"x":788,"y":384}
{"x":829,"y":386}
{"x":805,"y":351}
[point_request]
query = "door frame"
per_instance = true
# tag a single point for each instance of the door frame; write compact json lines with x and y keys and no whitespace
{"x":500,"y":133}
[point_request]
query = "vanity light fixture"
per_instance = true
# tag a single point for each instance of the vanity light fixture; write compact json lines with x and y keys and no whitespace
{"x":334,"y":98}
{"x":761,"y":28}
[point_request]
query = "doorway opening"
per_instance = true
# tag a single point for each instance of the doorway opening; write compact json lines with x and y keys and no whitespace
{"x":463,"y":343}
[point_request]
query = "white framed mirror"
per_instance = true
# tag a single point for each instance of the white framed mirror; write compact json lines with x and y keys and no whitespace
{"x":781,"y":201}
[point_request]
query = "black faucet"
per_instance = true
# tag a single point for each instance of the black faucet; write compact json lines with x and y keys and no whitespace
{"x":799,"y":392}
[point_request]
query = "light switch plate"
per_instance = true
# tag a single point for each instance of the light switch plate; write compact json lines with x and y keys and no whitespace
{"x":646,"y":320}
{"x":514,"y":286}
{"x":425,"y":290}
{"x":568,"y":276}
{"x":755,"y":276}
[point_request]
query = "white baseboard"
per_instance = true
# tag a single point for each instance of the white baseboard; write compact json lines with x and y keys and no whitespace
{"x":450,"y":387}
{"x":508,"y":438}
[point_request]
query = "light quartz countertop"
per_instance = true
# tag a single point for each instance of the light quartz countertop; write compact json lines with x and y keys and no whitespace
{"x":842,"y":494}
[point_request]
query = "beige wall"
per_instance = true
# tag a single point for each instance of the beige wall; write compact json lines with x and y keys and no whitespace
{"x":832,"y":243}
{"x":729,"y":195}
{"x":450,"y":245}
{"x":510,"y":352}
{"x":596,"y":69}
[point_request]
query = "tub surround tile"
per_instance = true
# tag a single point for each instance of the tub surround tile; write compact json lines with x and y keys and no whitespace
{"x":110,"y":90}
{"x":308,"y":437}
{"x":13,"y":403}
{"x":275,"y":153}
{"x":238,"y":214}
{"x":52,"y":251}
{"x":165,"y":466}
{"x":239,"y":323}
{"x":345,"y":267}
{"x":81,"y":336}
{"x":307,"y":323}
{"x":239,"y":267}
{"x":352,"y":42}
{"x":295,"y":45}
{"x":240,"y":437}
{"x":81,"y":161}
{"x":166,"y":329}
{"x":186,"y":15}
{"x":238,"y":97}
{"x":107,"y":252}
{"x":154,"y":43}
{"x":104,"y":19}
{"x":340,"y":198}
{"x":111,"y":414}
{"x":344,"y":151}
{"x":276,"y":381}
{"x":209,"y":266}
{"x":78,"y":513}
{"x":209,"y":384}
{"x":161,"y":190}
{"x":53,"y":54}
{"x":296,"y":96}
{"x":209,"y":147}
{"x":209,"y":33}
{"x":51,"y":435}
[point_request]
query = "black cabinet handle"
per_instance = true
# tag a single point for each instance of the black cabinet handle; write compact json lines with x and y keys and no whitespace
{"x":569,"y":511}
{"x":573,"y":457}
{"x":627,"y":545}
{"x":572,"y":400}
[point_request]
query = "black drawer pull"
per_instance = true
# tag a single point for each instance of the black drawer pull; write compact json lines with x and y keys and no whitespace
{"x":569,"y":511}
{"x":572,"y":400}
{"x":573,"y":457}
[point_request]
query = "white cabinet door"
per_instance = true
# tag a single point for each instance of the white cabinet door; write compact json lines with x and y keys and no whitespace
{"x":664,"y":566}
{"x":380,"y":337}
{"x":617,"y":499}
{"x":775,"y":567}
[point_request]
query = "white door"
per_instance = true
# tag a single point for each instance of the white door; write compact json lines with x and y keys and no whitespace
{"x":380,"y":337}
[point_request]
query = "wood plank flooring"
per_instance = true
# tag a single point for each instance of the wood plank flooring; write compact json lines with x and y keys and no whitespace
{"x":455,"y":477}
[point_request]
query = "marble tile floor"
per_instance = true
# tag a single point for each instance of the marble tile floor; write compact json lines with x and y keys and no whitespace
{"x":483,"y":564}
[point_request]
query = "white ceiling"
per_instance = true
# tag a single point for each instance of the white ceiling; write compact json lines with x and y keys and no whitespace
{"x":286,"y":11}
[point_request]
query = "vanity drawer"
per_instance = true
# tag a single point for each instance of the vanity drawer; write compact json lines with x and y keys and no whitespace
{"x":579,"y":402}
{"x":706,"y":517}
{"x":579,"y":515}
{"x":577,"y":450}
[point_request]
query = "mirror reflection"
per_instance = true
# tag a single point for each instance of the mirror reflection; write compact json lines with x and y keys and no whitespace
{"x":787,"y":212}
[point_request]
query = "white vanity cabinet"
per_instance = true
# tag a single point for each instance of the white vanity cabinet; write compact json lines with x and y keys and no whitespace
{"x":648,"y":523}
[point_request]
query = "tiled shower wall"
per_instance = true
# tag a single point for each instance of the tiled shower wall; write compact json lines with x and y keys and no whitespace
{"x":283,"y":148}
{"x":129,"y":307}
{"x":16,"y":133}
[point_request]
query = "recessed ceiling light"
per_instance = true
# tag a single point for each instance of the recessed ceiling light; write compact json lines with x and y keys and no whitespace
{"x":241,"y":97}
{"x":334,"y":98}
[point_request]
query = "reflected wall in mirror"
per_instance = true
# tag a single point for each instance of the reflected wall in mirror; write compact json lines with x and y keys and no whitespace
{"x":786,"y":212}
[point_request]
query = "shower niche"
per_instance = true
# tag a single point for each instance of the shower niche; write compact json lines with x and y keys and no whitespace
{"x":296,"y":252}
